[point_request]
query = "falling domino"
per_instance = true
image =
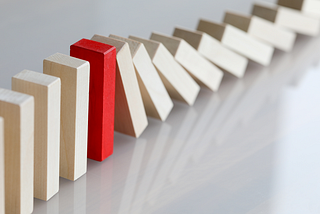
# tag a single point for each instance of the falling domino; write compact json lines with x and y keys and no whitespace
{"x":130,"y":116}
{"x":1,"y":166}
{"x":308,"y":7}
{"x":46,"y":91}
{"x":156,"y":99}
{"x":238,"y":41}
{"x":288,"y":18}
{"x":214,"y":51}
{"x":177,"y":81}
{"x":262,"y":29}
{"x":74,"y":75}
{"x":17,"y":110}
{"x":204,"y":72}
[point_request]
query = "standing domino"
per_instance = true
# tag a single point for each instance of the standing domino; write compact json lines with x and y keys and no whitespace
{"x":262,"y":29}
{"x":130,"y":116}
{"x":74,"y":74}
{"x":214,"y":51}
{"x":46,"y":91}
{"x":238,"y":41}
{"x":204,"y":72}
{"x":287,"y":18}
{"x":308,"y":7}
{"x":156,"y":99}
{"x":177,"y":81}
{"x":2,"y":208}
{"x":17,"y":110}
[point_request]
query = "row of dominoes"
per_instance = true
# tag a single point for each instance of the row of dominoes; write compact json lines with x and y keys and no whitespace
{"x":51,"y":122}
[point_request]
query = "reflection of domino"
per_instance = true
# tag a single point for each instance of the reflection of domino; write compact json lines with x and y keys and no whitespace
{"x":156,"y":99}
{"x":214,"y":51}
{"x":262,"y":29}
{"x":1,"y":166}
{"x":203,"y":72}
{"x":17,"y":110}
{"x":288,"y":18}
{"x":238,"y":41}
{"x":308,"y":7}
{"x":46,"y":91}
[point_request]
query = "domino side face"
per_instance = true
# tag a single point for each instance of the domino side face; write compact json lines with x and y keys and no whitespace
{"x":238,"y":41}
{"x":156,"y":99}
{"x":17,"y":110}
{"x":177,"y":81}
{"x":204,"y":72}
{"x":130,"y":116}
{"x":46,"y":91}
{"x":307,"y":7}
{"x":214,"y":51}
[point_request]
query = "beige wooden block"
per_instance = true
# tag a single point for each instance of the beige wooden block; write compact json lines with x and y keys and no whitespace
{"x":46,"y":91}
{"x":17,"y":110}
{"x":308,"y":7}
{"x":2,"y":209}
{"x":287,"y":18}
{"x":177,"y":81}
{"x":156,"y":99}
{"x":263,"y":30}
{"x":214,"y":51}
{"x":74,"y":74}
{"x":204,"y":72}
{"x":130,"y":116}
{"x":238,"y":41}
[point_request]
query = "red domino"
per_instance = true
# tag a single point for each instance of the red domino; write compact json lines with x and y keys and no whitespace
{"x":102,"y":59}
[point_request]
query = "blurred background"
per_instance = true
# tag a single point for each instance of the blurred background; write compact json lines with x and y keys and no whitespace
{"x":252,"y":147}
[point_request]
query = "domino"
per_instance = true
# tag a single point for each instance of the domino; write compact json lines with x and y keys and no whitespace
{"x":156,"y":99}
{"x":130,"y":116}
{"x":238,"y":41}
{"x":101,"y":95}
{"x":263,"y":30}
{"x":203,"y":72}
{"x":177,"y":81}
{"x":287,"y":18}
{"x":17,"y":110}
{"x":308,"y":7}
{"x":214,"y":51}
{"x":74,"y":74}
{"x":46,"y":91}
{"x":2,"y":208}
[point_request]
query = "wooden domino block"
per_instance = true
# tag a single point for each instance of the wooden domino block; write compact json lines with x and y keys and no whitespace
{"x":262,"y":29}
{"x":214,"y":51}
{"x":46,"y":91}
{"x":204,"y":72}
{"x":130,"y":116}
{"x":156,"y":99}
{"x":308,"y":7}
{"x":177,"y":81}
{"x":74,"y":74}
{"x":287,"y":18}
{"x":17,"y":110}
{"x":101,"y":95}
{"x":2,"y":209}
{"x":238,"y":41}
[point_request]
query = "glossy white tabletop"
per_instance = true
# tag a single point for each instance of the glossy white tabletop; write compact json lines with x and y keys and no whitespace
{"x":252,"y":147}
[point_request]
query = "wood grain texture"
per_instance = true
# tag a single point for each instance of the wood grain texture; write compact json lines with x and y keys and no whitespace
{"x":214,"y":51}
{"x":17,"y":109}
{"x":204,"y":72}
{"x":308,"y":7}
{"x":130,"y":116}
{"x":74,"y":75}
{"x":156,"y":99}
{"x":238,"y":41}
{"x":288,"y":18}
{"x":2,"y":204}
{"x":263,"y":30}
{"x":177,"y":81}
{"x":102,"y":59}
{"x":46,"y":91}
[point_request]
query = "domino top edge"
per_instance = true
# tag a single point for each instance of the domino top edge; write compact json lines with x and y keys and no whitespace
{"x":150,"y":45}
{"x":118,"y":44}
{"x":14,"y":97}
{"x":36,"y":77}
{"x":66,"y":60}
{"x":133,"y":44}
{"x":94,"y":46}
